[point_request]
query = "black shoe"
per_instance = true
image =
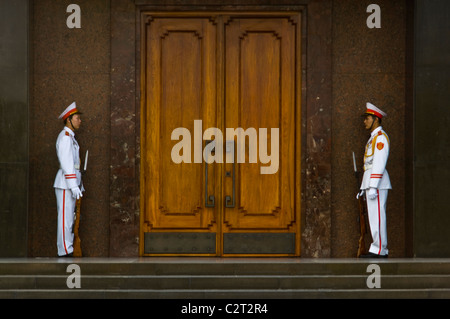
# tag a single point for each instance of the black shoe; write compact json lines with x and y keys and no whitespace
{"x":68,"y":255}
{"x":372,"y":255}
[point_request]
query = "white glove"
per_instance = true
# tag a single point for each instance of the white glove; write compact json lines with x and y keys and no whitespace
{"x":76,"y":192}
{"x":372,"y":193}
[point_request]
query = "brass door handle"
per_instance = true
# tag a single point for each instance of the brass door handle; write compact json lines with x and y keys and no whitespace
{"x":230,"y":201}
{"x":209,"y":200}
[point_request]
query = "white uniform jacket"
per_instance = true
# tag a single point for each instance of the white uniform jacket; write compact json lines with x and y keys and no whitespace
{"x":375,"y":159}
{"x":68,"y":152}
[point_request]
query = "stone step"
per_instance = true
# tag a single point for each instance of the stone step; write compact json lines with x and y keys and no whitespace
{"x":188,"y":266}
{"x":223,"y":278}
{"x":249,"y":295}
{"x":58,"y":282}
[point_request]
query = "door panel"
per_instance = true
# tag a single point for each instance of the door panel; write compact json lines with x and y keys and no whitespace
{"x":180,"y":87}
{"x":238,"y":73}
{"x":260,"y":82}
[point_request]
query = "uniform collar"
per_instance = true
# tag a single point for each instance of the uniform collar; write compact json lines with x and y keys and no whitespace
{"x":375,"y":131}
{"x":72,"y":133}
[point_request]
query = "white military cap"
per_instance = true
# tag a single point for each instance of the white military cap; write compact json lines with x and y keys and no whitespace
{"x":71,"y":109}
{"x":373,"y":110}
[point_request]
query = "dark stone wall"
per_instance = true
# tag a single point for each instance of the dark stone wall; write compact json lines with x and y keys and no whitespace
{"x":431,"y":129}
{"x":14,"y":131}
{"x":316,"y":118}
{"x":70,"y":65}
{"x":368,"y":66}
{"x":125,"y":122}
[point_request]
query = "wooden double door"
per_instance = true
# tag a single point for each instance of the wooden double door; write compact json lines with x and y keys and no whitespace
{"x":204,"y":190}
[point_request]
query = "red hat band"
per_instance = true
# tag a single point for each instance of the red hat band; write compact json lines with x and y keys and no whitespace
{"x":374,"y":113}
{"x":73,"y":111}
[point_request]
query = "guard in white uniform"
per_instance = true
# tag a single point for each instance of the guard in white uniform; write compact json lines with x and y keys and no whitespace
{"x":376,"y":182}
{"x":68,"y":186}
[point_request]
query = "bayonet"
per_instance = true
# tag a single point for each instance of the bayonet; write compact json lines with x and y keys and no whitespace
{"x":362,"y":219}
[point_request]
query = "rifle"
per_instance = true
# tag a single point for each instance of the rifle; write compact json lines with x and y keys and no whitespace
{"x":77,"y":240}
{"x":362,"y":218}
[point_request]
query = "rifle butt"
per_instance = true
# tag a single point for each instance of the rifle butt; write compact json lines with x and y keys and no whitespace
{"x":77,"y":247}
{"x":76,"y":240}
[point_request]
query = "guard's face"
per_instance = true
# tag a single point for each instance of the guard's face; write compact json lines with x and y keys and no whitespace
{"x":76,"y":121}
{"x":368,"y":121}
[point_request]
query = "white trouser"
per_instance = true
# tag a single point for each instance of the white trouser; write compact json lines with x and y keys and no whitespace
{"x":377,"y":220}
{"x":66,"y":211}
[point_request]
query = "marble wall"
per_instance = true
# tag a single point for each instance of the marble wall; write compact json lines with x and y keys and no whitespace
{"x":345,"y":64}
{"x":14,"y":109}
{"x":431,"y":133}
{"x":125,"y":119}
{"x":369,"y":65}
{"x":70,"y":65}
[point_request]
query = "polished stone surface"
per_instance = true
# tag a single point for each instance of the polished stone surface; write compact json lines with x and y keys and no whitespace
{"x":432,"y":134}
{"x":368,"y":66}
{"x":70,"y":65}
{"x":14,"y":131}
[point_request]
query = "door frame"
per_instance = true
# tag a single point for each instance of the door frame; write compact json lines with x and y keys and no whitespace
{"x":243,"y":11}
